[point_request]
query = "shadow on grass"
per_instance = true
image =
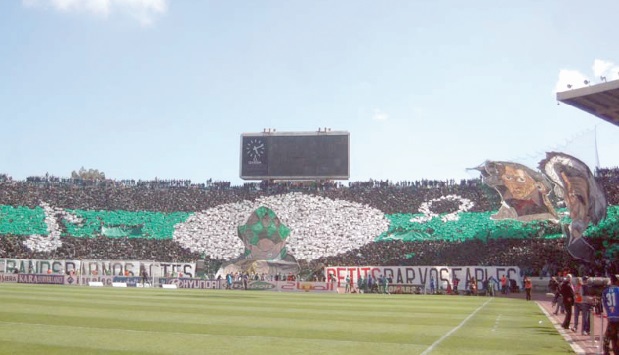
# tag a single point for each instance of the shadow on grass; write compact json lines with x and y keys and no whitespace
{"x":542,"y":330}
{"x":209,"y":295}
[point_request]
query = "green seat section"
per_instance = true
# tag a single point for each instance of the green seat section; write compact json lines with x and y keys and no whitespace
{"x":118,"y":224}
{"x":479,"y":225}
{"x":22,"y":220}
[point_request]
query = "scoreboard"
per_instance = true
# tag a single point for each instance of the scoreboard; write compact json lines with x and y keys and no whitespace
{"x":295,"y":156}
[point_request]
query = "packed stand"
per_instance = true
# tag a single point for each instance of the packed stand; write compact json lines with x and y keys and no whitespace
{"x":351,"y":222}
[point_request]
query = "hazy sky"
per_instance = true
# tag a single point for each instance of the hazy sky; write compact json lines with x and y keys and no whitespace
{"x":159,"y":88}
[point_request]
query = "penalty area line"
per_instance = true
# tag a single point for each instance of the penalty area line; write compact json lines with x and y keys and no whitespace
{"x":448,"y":334}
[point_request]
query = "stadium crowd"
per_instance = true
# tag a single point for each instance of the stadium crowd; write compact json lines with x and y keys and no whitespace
{"x":172,"y":196}
{"x":535,"y":255}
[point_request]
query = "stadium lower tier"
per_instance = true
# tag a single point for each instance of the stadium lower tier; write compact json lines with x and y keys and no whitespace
{"x":533,"y":256}
{"x":447,"y":230}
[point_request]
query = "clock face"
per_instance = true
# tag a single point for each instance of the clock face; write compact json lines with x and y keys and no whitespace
{"x":255,"y":149}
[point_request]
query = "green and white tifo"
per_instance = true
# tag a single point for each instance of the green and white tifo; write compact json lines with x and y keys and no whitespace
{"x":213,"y":232}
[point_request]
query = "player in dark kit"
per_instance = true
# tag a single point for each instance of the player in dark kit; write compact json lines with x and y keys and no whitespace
{"x":610,"y":300}
{"x":144,"y":275}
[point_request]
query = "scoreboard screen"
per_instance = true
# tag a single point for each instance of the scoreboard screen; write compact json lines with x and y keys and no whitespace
{"x":295,"y":156}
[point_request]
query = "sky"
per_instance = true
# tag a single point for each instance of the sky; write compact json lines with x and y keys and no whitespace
{"x":145,"y":89}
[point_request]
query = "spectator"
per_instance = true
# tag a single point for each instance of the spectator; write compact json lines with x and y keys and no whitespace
{"x":60,"y":195}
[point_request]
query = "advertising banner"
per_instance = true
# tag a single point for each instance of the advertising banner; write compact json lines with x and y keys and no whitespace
{"x":131,"y":281}
{"x":9,"y":278}
{"x":191,"y":283}
{"x":285,"y":286}
{"x":40,"y":279}
{"x":303,"y":286}
{"x":255,"y":285}
{"x":84,"y":280}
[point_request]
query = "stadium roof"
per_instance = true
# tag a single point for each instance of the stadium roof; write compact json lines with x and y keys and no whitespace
{"x":601,"y":100}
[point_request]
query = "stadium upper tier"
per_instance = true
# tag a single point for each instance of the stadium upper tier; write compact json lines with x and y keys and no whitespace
{"x":367,"y":222}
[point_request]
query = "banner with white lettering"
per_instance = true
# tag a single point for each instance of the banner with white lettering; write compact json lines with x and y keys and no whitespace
{"x":130,"y":281}
{"x":421,"y":275}
{"x":110,"y":267}
{"x":84,"y":280}
{"x":132,"y":268}
{"x":191,"y":283}
{"x":39,"y":266}
{"x":97,"y":267}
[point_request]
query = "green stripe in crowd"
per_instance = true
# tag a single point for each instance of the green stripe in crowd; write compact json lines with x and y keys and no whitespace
{"x":22,"y":220}
{"x":141,"y":224}
{"x":114,"y":224}
{"x":158,"y":225}
{"x":478,"y":225}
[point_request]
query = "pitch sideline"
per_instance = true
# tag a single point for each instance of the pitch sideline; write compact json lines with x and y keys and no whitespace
{"x":448,"y":334}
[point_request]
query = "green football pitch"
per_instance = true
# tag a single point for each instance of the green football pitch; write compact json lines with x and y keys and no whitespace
{"x":64,"y":320}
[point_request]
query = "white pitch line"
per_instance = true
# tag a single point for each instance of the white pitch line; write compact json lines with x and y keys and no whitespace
{"x":577,"y":348}
{"x":429,"y":350}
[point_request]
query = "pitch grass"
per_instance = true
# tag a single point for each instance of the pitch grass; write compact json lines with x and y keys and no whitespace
{"x":63,"y":320}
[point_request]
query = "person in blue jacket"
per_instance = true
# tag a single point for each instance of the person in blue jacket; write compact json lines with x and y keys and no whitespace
{"x":610,"y":301}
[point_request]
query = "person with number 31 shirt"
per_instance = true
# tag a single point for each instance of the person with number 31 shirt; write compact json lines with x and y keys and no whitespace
{"x":610,"y":300}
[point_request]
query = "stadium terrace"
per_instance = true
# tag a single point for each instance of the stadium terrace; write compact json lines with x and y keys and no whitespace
{"x":378,"y":223}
